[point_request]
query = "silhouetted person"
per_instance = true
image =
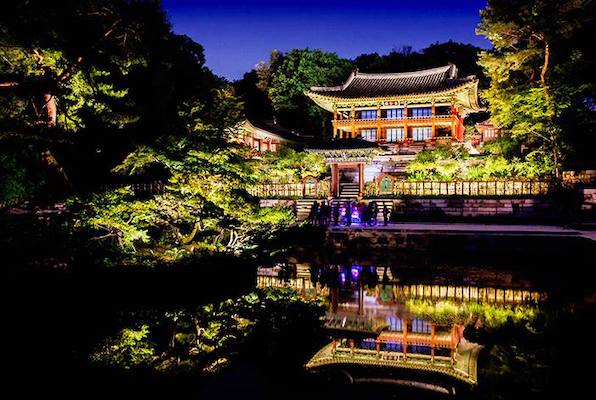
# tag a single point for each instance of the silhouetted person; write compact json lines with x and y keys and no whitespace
{"x":374,"y":212}
{"x":348,"y":213}
{"x":336,"y":213}
{"x":365,"y":217}
{"x":323,"y":214}
{"x":314,"y":211}
{"x":385,"y":215}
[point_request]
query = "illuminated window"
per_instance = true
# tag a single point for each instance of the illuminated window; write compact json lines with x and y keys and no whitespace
{"x":421,"y":112}
{"x":395,"y":324}
{"x":422,"y":133}
{"x":395,"y":113}
{"x":368,"y":114}
{"x":369,"y":134}
{"x":395,"y":134}
{"x":420,"y":326}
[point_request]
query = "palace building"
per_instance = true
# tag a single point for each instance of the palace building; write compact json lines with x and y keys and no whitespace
{"x":398,"y":114}
{"x":268,"y":136}
{"x":406,"y":107}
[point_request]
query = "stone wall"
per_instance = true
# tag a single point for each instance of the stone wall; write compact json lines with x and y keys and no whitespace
{"x":472,"y":207}
{"x":447,"y":207}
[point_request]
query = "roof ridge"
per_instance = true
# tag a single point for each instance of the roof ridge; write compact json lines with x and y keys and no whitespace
{"x":408,"y":74}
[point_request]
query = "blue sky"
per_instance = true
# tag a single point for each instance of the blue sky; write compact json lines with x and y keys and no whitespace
{"x":237,"y":35}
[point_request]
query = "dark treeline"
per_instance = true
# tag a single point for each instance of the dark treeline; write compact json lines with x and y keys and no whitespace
{"x":91,"y":82}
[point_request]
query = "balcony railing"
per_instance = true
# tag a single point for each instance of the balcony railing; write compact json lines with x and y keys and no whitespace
{"x":393,"y":121}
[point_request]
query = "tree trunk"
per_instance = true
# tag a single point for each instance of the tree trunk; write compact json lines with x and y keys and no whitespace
{"x":550,"y":107}
{"x":49,"y":109}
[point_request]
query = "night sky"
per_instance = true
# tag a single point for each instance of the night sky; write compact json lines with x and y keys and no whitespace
{"x":238,"y":34}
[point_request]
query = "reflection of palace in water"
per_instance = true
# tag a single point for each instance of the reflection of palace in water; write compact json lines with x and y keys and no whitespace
{"x":370,"y":324}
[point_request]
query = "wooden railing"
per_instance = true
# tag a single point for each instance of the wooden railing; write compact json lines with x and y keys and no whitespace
{"x":400,"y":188}
{"x":471,"y":188}
{"x":309,"y":189}
{"x":391,"y":121}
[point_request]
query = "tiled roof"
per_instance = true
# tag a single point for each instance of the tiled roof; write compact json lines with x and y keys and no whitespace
{"x":396,"y":84}
{"x":276,"y":129}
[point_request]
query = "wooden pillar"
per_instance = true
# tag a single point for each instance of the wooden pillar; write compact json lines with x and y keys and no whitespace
{"x":334,"y":180}
{"x":453,"y":343}
{"x":334,"y":122}
{"x":432,"y":342}
{"x":434,"y":129}
{"x":453,"y":126}
{"x":379,"y":136}
{"x":361,"y":298}
{"x":360,"y":179}
{"x":353,"y":133}
{"x":404,"y":344}
{"x":406,"y":122}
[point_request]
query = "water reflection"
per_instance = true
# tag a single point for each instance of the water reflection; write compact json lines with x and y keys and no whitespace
{"x":376,"y":319}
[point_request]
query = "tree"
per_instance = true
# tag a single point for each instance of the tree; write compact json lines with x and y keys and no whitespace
{"x":64,"y":67}
{"x":204,"y":207}
{"x":296,"y":72}
{"x":464,"y":56}
{"x":539,"y":49}
{"x":93,"y":80}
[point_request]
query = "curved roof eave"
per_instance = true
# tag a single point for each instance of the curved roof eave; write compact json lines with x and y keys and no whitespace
{"x":468,"y":101}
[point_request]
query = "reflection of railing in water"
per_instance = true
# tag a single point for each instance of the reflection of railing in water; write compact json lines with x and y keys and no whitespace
{"x":426,"y":292}
{"x":467,"y":293}
{"x":463,"y":369}
{"x":300,"y":283}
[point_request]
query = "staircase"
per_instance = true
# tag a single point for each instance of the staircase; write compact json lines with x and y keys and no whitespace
{"x":381,"y":203}
{"x":303,"y":208}
{"x":348,"y":190}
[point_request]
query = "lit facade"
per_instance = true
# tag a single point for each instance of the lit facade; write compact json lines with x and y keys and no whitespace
{"x":396,"y":108}
{"x":396,"y":113}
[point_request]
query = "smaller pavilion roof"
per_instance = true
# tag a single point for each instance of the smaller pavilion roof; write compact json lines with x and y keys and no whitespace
{"x":272,"y":129}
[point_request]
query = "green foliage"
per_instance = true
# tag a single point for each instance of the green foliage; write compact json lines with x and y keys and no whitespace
{"x":204,"y":206}
{"x":16,"y":181}
{"x":130,"y":348}
{"x":538,"y":71}
{"x":449,"y":163}
{"x":288,"y":166}
{"x":210,"y":337}
{"x":295,"y":72}
{"x":492,"y":316}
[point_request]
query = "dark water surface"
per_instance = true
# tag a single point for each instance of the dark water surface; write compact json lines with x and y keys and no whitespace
{"x":60,"y":315}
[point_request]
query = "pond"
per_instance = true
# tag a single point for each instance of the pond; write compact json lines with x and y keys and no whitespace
{"x":425,"y":325}
{"x":505,"y":320}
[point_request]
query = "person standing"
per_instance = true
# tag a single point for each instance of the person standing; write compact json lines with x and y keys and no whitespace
{"x":323,"y":213}
{"x":348,"y":213}
{"x":385,"y":215}
{"x":312,"y":215}
{"x":336,"y":213}
{"x":374,"y":213}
